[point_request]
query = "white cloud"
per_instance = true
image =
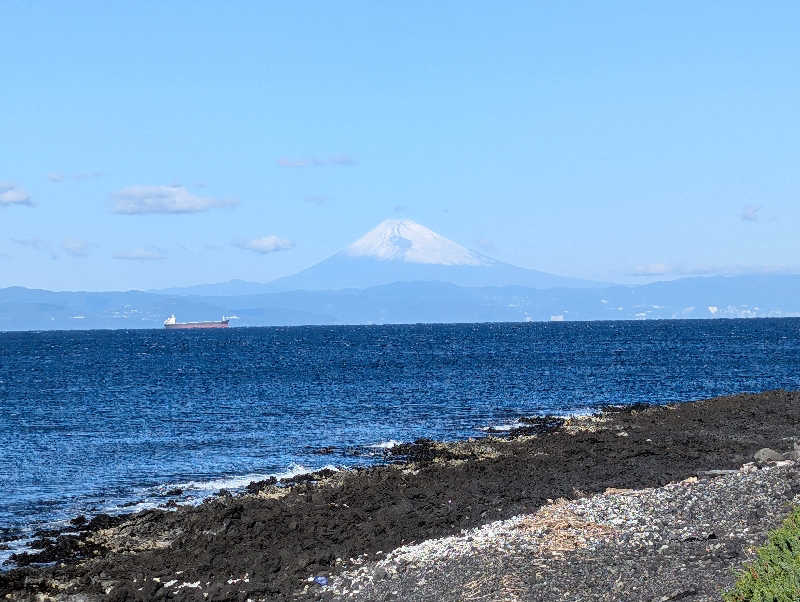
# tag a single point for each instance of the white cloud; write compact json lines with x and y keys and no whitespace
{"x":10,"y":194}
{"x":75,"y":247}
{"x":32,"y":243}
{"x":266,"y":244}
{"x":141,"y":255}
{"x":750,"y":213}
{"x":37,"y":244}
{"x":163,"y":199}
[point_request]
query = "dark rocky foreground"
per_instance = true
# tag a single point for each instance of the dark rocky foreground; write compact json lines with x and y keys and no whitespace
{"x":677,"y":542}
{"x":265,"y":544}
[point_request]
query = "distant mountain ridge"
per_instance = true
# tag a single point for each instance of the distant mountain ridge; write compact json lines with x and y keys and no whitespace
{"x":397,"y":250}
{"x":409,"y":302}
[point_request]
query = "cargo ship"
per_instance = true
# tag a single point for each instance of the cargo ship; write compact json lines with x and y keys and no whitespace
{"x":171,"y":323}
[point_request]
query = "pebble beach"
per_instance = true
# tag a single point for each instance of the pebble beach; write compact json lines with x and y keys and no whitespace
{"x":637,"y":503}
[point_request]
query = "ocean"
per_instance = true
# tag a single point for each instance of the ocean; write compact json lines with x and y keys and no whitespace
{"x":110,"y":421}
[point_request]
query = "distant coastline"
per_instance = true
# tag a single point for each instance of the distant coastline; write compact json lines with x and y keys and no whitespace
{"x":408,"y":303}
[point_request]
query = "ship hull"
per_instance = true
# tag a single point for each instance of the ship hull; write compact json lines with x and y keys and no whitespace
{"x":193,"y":325}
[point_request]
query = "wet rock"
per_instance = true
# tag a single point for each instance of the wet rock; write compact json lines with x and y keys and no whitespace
{"x":536,"y":425}
{"x":309,"y":477}
{"x":632,"y":408}
{"x":284,"y":539}
{"x":421,"y":451}
{"x":256,"y":486}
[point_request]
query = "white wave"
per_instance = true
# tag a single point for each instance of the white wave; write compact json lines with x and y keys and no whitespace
{"x":239,"y":482}
{"x":500,"y":428}
{"x":385,"y":444}
{"x":132,"y":508}
{"x":577,"y":413}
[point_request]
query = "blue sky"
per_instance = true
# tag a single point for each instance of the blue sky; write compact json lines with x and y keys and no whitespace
{"x":159,"y":144}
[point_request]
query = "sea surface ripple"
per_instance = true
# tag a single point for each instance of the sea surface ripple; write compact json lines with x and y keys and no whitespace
{"x":96,"y":421}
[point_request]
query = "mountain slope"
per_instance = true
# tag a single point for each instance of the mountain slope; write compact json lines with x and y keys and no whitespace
{"x":405,"y":251}
{"x":396,"y":251}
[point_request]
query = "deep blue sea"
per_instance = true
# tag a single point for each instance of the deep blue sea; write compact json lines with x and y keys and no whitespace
{"x":95,"y":421}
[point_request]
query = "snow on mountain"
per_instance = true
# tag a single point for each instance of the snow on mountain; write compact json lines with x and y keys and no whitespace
{"x":408,"y":241}
{"x":401,"y":250}
{"x":398,"y":250}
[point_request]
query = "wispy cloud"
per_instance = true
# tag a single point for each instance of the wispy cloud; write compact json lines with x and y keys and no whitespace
{"x":75,"y":247}
{"x":11,"y":194}
{"x":661,"y":269}
{"x":332,"y":161}
{"x":316,"y":199}
{"x":141,"y":255}
{"x":137,"y":200}
{"x":266,"y":244}
{"x":750,"y":213}
{"x":57,"y":178}
{"x":36,"y":244}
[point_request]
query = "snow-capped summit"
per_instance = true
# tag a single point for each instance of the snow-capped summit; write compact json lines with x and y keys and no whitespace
{"x":406,"y":240}
{"x":401,"y":250}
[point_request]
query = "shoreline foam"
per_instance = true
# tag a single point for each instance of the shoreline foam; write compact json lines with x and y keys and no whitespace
{"x":278,"y":536}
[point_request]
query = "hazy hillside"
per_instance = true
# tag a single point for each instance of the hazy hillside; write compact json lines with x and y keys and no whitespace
{"x":718,"y":297}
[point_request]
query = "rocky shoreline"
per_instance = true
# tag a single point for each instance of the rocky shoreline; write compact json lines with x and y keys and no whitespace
{"x":336,"y":535}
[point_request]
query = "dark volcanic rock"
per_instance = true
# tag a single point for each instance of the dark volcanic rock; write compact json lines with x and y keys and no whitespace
{"x":536,"y":425}
{"x":280,"y":537}
{"x":421,"y":451}
{"x":631,"y":408}
{"x":257,"y":486}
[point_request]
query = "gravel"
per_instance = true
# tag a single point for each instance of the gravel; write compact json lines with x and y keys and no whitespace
{"x":682,"y":541}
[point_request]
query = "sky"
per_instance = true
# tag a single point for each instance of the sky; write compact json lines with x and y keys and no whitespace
{"x":155,"y":144}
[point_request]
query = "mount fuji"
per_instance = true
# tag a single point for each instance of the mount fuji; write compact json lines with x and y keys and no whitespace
{"x":398,"y":250}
